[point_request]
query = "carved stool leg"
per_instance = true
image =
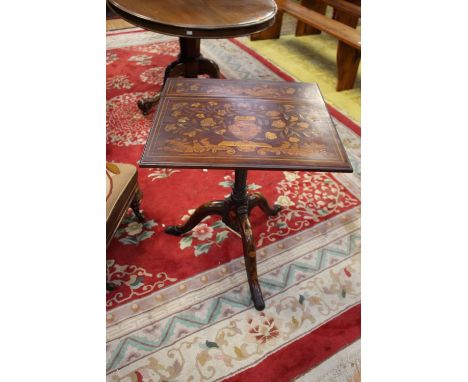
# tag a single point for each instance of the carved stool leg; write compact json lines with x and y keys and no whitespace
{"x":135,"y":205}
{"x":257,"y":199}
{"x":215,"y":207}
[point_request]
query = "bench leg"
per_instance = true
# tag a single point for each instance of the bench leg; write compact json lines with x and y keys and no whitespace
{"x":302,"y":28}
{"x":347,"y":61}
{"x":273,"y":32}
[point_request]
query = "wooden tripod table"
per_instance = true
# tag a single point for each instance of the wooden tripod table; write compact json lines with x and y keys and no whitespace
{"x":192,"y":20}
{"x":240,"y":125}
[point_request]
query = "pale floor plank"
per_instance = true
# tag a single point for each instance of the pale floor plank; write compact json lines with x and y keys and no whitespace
{"x":117,"y":24}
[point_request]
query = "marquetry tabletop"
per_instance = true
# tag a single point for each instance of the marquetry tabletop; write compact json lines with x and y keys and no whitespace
{"x":213,"y":123}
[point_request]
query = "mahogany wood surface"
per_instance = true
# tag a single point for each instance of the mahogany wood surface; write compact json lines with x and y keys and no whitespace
{"x":302,"y":28}
{"x":335,"y":28}
{"x":311,"y":18}
{"x":348,"y":60}
{"x":273,"y":32}
{"x":206,"y":123}
{"x":198,"y":18}
{"x":347,"y":57}
{"x":351,"y":7}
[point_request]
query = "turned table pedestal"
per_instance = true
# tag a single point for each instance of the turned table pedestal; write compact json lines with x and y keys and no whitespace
{"x":240,"y":125}
{"x":192,"y":20}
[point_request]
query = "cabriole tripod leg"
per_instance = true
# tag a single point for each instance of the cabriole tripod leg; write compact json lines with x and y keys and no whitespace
{"x":240,"y":199}
{"x":250,"y":257}
{"x":215,"y":207}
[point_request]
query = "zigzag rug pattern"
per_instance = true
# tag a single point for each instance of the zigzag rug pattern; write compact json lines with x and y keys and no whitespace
{"x":164,"y":332}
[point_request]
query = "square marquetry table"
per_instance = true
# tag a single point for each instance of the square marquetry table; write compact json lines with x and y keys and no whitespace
{"x":242,"y":125}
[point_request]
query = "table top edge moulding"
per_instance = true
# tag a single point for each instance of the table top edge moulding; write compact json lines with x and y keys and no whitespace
{"x":214,"y":19}
{"x":255,"y":125}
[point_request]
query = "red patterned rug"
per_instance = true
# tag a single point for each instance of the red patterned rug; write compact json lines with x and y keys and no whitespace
{"x":181,"y":309}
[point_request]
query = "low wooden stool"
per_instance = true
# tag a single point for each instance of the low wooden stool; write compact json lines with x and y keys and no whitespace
{"x":122,"y":193}
{"x":242,"y":125}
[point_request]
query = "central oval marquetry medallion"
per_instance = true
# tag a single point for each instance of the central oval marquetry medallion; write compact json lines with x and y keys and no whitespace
{"x":245,"y":127}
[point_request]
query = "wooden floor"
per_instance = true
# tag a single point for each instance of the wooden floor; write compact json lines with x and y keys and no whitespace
{"x":115,"y":24}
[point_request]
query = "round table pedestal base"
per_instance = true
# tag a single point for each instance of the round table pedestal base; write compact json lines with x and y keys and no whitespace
{"x":190,"y":64}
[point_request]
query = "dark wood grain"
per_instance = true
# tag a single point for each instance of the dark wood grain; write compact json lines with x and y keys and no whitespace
{"x":204,"y":123}
{"x":347,"y":57}
{"x":348,"y":60}
{"x":198,"y":18}
{"x":350,"y":7}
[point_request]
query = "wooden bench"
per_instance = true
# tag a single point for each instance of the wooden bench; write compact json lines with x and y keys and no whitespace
{"x":312,"y":20}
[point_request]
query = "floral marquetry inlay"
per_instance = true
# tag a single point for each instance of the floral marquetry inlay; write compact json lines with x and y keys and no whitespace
{"x":259,"y":124}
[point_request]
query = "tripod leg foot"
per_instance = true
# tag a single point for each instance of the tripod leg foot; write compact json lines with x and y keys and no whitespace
{"x":257,"y":199}
{"x":146,"y":104}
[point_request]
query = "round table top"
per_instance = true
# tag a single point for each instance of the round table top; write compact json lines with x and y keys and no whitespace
{"x":198,"y":18}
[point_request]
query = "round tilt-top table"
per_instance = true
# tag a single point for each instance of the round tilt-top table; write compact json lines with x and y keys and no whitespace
{"x":191,"y":20}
